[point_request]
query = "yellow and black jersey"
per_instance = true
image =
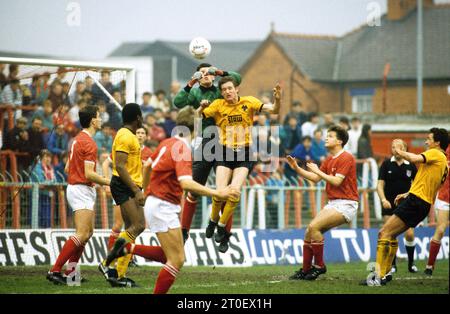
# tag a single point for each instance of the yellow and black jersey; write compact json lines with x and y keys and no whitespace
{"x":127,"y":142}
{"x":234,"y":120}
{"x":430,"y":175}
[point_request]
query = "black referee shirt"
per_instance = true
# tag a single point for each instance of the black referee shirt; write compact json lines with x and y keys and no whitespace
{"x":397,"y":178}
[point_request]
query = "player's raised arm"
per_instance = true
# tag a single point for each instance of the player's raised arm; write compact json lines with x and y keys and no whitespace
{"x":91,"y":175}
{"x":333,"y":180}
{"x":304,"y":173}
{"x":411,"y":157}
{"x":275,"y":107}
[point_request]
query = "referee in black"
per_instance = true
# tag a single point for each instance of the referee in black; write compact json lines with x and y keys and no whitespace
{"x":395,"y":177}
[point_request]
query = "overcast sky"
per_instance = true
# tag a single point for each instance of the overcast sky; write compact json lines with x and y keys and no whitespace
{"x":92,"y":29}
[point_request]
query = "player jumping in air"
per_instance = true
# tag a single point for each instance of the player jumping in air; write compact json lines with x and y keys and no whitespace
{"x":339,"y":172}
{"x":442,"y":206}
{"x":413,"y":206}
{"x":203,"y":160}
{"x":169,"y":173}
{"x":234,"y":116}
{"x":81,"y":193}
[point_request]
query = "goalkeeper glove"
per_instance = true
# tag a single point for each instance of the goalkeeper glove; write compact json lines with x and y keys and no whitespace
{"x":195,"y":78}
{"x":216,"y":71}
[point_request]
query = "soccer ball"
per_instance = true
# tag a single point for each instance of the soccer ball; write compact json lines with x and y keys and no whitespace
{"x":200,"y":48}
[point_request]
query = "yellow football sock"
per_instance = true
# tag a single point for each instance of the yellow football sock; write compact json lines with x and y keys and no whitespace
{"x":228,"y":211}
{"x":216,"y":208}
{"x":128,"y":238}
{"x":382,"y":256}
{"x":393,"y":247}
{"x":122,"y":265}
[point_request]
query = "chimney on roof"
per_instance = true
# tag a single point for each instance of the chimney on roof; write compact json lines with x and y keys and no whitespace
{"x":398,"y":9}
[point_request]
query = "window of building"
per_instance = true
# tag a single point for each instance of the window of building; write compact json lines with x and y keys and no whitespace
{"x":362,"y":99}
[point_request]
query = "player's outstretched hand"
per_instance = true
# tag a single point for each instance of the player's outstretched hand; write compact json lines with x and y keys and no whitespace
{"x":277,"y":92}
{"x":228,"y":192}
{"x":139,"y":197}
{"x":205,"y":103}
{"x":399,"y":198}
{"x":215,"y":71}
{"x":195,"y":78}
{"x":292,"y":162}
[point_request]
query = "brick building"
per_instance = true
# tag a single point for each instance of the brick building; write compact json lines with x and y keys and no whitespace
{"x":345,"y":74}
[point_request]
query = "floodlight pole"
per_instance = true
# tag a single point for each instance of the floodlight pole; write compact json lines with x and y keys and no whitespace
{"x":419,"y":56}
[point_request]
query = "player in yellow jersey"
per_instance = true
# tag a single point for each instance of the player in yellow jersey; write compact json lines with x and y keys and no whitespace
{"x":414,"y":205}
{"x":234,"y":117}
{"x":126,"y":185}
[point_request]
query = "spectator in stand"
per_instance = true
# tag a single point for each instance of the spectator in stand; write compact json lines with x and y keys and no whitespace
{"x":87,"y":97}
{"x":16,"y":139}
{"x":104,"y":139}
{"x":3,"y":79}
{"x":102,"y":110}
{"x":159,"y":101}
{"x":65,"y":92}
{"x":175,"y":87}
{"x":44,"y":173}
{"x":13,"y":72}
{"x":155,"y":132}
{"x":12,"y":95}
{"x":56,"y":95}
{"x":60,"y":174}
{"x":115,"y":115}
{"x":46,"y":114}
{"x":60,"y":76}
{"x":61,"y":116}
{"x":36,"y":138}
{"x":318,"y":150}
{"x":34,"y":87}
{"x":328,"y":121}
{"x":310,"y":126}
{"x":159,"y":116}
{"x":303,"y":151}
{"x":365,"y":143}
{"x":292,"y":135}
{"x":170,"y":122}
{"x":43,"y":88}
{"x":89,"y":82}
{"x":353,"y":136}
{"x":77,"y":93}
{"x":146,"y":107}
{"x":344,"y":123}
{"x":299,"y":112}
{"x":97,"y":93}
{"x":58,"y":141}
{"x":73,"y":112}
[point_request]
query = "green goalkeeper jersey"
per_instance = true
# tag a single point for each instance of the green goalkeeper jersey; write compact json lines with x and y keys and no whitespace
{"x":193,"y":96}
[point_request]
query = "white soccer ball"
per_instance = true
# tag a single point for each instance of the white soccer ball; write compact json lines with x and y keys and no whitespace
{"x":200,"y":48}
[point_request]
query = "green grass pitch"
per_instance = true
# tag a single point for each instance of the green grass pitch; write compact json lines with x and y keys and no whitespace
{"x":341,"y":278}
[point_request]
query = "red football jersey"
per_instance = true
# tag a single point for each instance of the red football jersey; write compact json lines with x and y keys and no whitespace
{"x":443,"y":193}
{"x":83,"y":149}
{"x":172,"y":162}
{"x":146,"y":153}
{"x":342,"y":165}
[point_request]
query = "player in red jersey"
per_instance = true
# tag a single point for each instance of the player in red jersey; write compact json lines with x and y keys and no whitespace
{"x":442,"y":206}
{"x":339,"y":172}
{"x":80,"y":190}
{"x":169,"y":173}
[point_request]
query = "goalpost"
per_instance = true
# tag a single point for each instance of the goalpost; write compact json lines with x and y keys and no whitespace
{"x":76,"y":71}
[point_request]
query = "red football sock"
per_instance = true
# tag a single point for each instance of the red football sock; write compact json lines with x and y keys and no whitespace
{"x":188,"y":212}
{"x":317,"y":248}
{"x":69,"y":249}
{"x":112,"y":238}
{"x":75,"y":258}
{"x":153,"y":253}
{"x":435,"y":246}
{"x":166,"y":278}
{"x":307,"y":256}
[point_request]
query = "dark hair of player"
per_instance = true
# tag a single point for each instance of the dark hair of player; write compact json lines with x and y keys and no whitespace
{"x":130,"y":113}
{"x":440,"y":135}
{"x":203,"y":65}
{"x":87,"y":114}
{"x":226,"y":79}
{"x":341,"y":133}
{"x":185,"y":117}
